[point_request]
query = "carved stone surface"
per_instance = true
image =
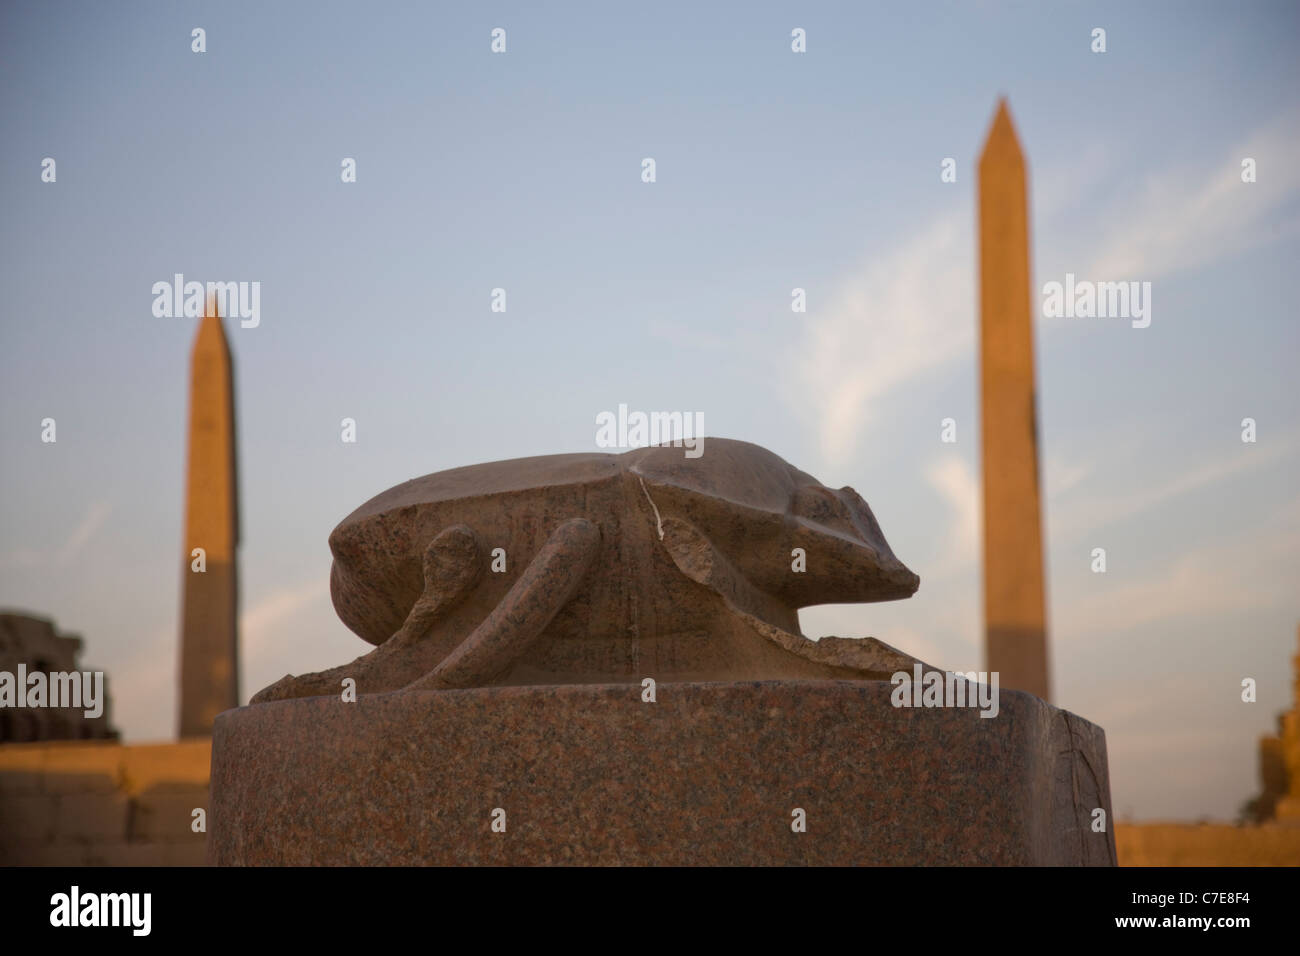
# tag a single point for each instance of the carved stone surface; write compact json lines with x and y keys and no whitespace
{"x":505,"y":716}
{"x":707,"y":774}
{"x":594,"y":568}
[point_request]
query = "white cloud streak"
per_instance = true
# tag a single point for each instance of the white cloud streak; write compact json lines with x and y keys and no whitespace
{"x":905,"y":314}
{"x":66,"y":553}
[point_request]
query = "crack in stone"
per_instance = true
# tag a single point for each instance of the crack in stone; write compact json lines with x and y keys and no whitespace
{"x":659,"y":525}
{"x":1082,"y":755}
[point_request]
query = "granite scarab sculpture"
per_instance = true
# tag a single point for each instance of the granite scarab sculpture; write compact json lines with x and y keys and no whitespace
{"x":602,"y":568}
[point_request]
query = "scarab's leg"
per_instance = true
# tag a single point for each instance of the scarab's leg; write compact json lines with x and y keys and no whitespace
{"x":546,"y":585}
{"x":452,"y":566}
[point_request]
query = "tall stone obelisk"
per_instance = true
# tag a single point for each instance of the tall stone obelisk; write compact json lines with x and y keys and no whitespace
{"x":209,"y":623}
{"x":1015,"y":616}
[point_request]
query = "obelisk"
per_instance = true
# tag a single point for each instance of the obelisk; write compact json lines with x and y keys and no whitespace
{"x":1014,"y":606}
{"x":209,"y":624}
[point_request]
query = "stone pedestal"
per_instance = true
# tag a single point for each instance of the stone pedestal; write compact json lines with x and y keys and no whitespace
{"x":708,"y":774}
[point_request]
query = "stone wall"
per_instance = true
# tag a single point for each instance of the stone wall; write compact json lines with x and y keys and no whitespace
{"x":99,"y":803}
{"x":1206,"y":844}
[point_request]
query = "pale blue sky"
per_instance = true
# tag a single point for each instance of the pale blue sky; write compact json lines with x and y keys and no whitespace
{"x":775,"y":170}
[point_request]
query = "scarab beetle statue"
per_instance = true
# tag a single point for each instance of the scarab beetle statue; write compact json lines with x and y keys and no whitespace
{"x":601,"y":568}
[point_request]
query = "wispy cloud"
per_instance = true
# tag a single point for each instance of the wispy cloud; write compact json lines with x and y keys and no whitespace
{"x":1060,"y":474}
{"x":259,"y":623}
{"x":955,"y":480}
{"x":1216,"y":578}
{"x":911,"y":311}
{"x":66,"y":553}
{"x":1089,"y":514}
{"x":905,"y":314}
{"x":144,"y":688}
{"x":1186,"y":218}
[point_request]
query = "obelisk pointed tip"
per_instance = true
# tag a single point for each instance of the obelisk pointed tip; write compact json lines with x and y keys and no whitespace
{"x":211,"y":332}
{"x":1002,"y":143}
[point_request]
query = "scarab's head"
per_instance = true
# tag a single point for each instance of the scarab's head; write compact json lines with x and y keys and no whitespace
{"x":756,"y":509}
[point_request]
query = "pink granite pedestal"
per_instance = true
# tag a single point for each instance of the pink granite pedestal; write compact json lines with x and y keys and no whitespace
{"x":709,"y":774}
